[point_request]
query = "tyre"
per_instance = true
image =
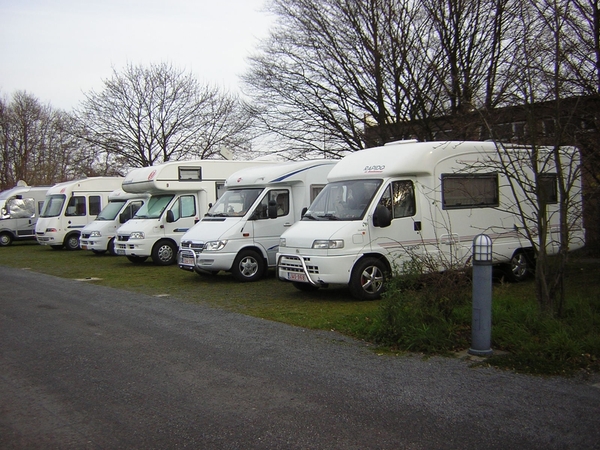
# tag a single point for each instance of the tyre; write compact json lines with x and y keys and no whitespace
{"x":248,"y":266}
{"x":72,"y":241}
{"x":367,"y":281}
{"x":520,"y":267}
{"x":111,"y":247}
{"x":137,"y":259}
{"x":164,"y":253}
{"x":5,"y":239}
{"x":306,"y":287}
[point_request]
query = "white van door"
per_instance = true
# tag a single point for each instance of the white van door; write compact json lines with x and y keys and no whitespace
{"x":184,"y":210}
{"x":402,"y":239}
{"x":267,"y":231}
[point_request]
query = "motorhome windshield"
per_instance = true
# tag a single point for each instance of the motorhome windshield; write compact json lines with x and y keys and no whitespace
{"x":111,"y":210}
{"x":154,"y":207}
{"x":53,"y":205}
{"x":343,"y":200}
{"x":234,"y":203}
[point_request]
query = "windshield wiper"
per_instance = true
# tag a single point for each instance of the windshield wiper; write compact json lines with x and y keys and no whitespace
{"x":330,"y":216}
{"x":309,"y":216}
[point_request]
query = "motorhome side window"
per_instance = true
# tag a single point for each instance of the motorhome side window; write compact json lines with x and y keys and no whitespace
{"x":548,"y":190}
{"x":280,"y":197}
{"x":315,"y":189}
{"x":399,"y":199}
{"x":461,"y":191}
{"x":76,"y":206}
{"x":95,"y":205}
{"x":185,"y":206}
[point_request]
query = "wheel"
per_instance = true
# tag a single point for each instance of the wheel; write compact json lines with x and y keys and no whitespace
{"x":367,"y":281}
{"x":306,"y":287}
{"x":5,"y":239}
{"x":248,"y":266}
{"x":137,"y":259}
{"x":164,"y":253}
{"x":111,"y":247}
{"x":72,"y":241}
{"x":519,"y":267}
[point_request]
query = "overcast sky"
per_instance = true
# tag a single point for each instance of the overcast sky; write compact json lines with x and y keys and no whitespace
{"x":58,"y":49}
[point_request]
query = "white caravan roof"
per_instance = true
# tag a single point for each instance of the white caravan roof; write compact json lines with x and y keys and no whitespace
{"x":92,"y":184}
{"x":403,"y":158}
{"x":182,"y":175}
{"x":289,"y":172}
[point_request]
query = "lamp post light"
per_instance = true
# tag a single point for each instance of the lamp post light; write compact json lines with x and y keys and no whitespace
{"x":481,"y":322}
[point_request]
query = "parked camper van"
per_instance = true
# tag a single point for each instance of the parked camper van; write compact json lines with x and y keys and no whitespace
{"x":99,"y":235}
{"x":181,"y":193}
{"x":19,"y":211}
{"x":410,"y":201}
{"x":241,"y":231}
{"x":69,"y":207}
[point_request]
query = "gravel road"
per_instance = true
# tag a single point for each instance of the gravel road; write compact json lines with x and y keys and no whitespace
{"x":85,"y":366}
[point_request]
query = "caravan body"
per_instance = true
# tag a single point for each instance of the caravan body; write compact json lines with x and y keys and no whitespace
{"x":181,"y":193}
{"x":241,"y":231}
{"x":422,"y":202}
{"x":99,"y":235}
{"x":69,"y":207}
{"x":20,"y":208}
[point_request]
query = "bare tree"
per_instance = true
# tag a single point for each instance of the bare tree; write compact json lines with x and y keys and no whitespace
{"x":149,"y":115}
{"x":332,"y":67}
{"x":37,"y":144}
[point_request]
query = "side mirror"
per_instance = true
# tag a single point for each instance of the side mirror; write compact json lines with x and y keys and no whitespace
{"x":382,"y":217}
{"x":124,"y":217}
{"x":170,"y":217}
{"x":303,"y":212}
{"x":272,"y":209}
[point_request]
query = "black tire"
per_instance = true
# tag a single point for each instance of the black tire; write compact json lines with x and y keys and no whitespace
{"x":305,"y":287}
{"x":368,"y":278}
{"x":137,"y":259}
{"x":5,"y":239}
{"x":520,"y":267}
{"x":72,"y":241}
{"x":164,"y":253}
{"x":248,"y":266}
{"x":111,"y":247}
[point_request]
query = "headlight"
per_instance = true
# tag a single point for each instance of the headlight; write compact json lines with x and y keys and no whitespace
{"x":137,"y":235}
{"x":331,"y":243}
{"x":215,"y":246}
{"x":282,"y":242}
{"x":95,"y":234}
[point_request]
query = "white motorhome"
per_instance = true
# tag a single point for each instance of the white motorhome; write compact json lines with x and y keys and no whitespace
{"x":240,"y":233}
{"x":69,"y":207}
{"x":181,"y":193}
{"x":19,"y":211}
{"x":99,"y":235}
{"x":411,"y":201}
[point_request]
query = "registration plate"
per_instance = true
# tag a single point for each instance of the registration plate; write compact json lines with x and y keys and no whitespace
{"x":187,"y":260}
{"x":120,"y":252}
{"x":84,"y":247}
{"x":295,"y":276}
